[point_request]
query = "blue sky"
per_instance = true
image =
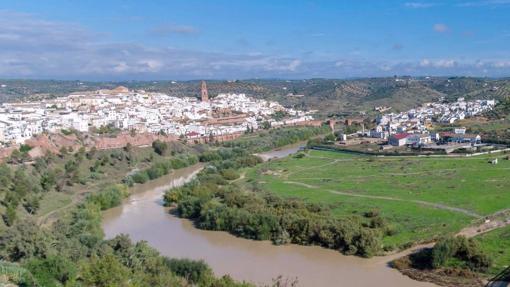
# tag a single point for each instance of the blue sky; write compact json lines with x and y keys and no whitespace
{"x":118,"y":40}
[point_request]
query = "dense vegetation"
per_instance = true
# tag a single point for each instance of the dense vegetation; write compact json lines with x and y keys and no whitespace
{"x":274,"y":138}
{"x":69,"y":250}
{"x":459,"y":252}
{"x":453,"y":261}
{"x":25,"y":184}
{"x":73,"y":253}
{"x":216,"y":202}
{"x":160,"y":168}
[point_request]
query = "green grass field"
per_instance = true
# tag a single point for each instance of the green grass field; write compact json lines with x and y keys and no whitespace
{"x":424,"y":198}
{"x":497,"y":244}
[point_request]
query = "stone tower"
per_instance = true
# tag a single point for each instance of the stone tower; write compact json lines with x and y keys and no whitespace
{"x":205,"y":95}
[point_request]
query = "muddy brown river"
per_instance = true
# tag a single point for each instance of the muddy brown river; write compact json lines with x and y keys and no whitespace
{"x":143,"y":217}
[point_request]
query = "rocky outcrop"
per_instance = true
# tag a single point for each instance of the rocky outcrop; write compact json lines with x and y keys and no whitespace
{"x":121,"y":140}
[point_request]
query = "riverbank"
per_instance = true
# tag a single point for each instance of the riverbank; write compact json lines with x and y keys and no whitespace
{"x":422,"y":198}
{"x":281,"y":152}
{"x":143,"y":217}
{"x":164,"y":240}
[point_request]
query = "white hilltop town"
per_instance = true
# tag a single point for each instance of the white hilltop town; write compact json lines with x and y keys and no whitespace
{"x":412,"y":127}
{"x":144,"y":112}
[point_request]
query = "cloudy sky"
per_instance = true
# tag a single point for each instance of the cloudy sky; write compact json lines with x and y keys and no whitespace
{"x":214,"y":39}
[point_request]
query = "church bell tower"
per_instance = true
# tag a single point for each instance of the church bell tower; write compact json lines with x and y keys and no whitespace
{"x":205,"y":95}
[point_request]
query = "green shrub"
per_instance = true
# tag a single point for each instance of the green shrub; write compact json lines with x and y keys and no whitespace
{"x":52,"y":271}
{"x":140,"y":177}
{"x":159,"y":147}
{"x":459,"y":252}
{"x":194,"y":271}
{"x":229,"y":174}
{"x":110,"y":197}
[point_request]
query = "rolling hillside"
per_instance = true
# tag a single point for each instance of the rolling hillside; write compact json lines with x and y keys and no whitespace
{"x":329,"y":96}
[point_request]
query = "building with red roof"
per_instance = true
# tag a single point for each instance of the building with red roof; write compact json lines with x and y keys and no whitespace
{"x":399,"y":139}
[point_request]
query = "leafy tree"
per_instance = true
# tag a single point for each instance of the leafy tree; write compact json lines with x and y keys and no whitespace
{"x":63,"y":152}
{"x":31,"y":203}
{"x":108,"y":198}
{"x":18,"y":157}
{"x":5,"y":177}
{"x":24,"y":240}
{"x":140,"y":177}
{"x":329,"y":138}
{"x":48,"y":180}
{"x":459,"y":251}
{"x":128,"y":148}
{"x":22,"y":184}
{"x":104,"y":271}
{"x":159,"y":147}
{"x":10,"y":215}
{"x":91,"y":153}
{"x":53,"y":270}
{"x":229,"y":174}
{"x":193,"y":271}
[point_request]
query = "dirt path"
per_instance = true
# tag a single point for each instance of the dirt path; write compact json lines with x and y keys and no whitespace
{"x":497,"y":220}
{"x":421,"y":202}
{"x":241,"y":177}
{"x":44,"y":219}
{"x":469,"y":232}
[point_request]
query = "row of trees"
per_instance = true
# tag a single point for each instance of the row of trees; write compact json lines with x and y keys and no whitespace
{"x":160,"y":168}
{"x":215,"y":204}
{"x":275,"y":138}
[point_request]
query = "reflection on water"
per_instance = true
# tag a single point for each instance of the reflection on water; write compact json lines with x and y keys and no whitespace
{"x":143,"y":217}
{"x":282,"y":152}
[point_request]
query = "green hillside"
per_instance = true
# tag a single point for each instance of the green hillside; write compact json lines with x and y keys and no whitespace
{"x":329,"y":96}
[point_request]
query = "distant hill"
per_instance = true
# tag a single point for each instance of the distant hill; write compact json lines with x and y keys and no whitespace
{"x":329,"y":96}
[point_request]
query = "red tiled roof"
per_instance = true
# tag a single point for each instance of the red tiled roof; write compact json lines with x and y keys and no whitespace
{"x":400,"y":136}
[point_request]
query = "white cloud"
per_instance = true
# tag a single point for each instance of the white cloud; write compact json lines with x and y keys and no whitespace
{"x":484,"y":3}
{"x":293,"y":65}
{"x":501,"y":64}
{"x":441,"y":63}
{"x":165,"y":30}
{"x":31,"y":47}
{"x":419,"y":5}
{"x":441,"y":28}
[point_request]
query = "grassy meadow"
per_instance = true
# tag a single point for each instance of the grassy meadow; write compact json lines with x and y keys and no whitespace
{"x":497,"y":244}
{"x":423,"y":198}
